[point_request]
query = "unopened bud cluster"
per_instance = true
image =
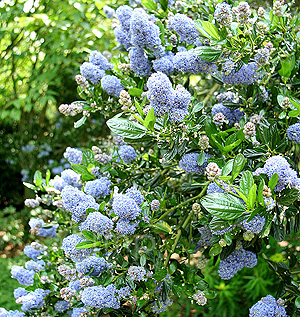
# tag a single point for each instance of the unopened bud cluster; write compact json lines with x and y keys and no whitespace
{"x":213,"y":171}
{"x":200,"y":298}
{"x":70,"y":110}
{"x":219,"y":119}
{"x":267,"y":191}
{"x":82,"y":82}
{"x":278,"y":8}
{"x":249,"y":130}
{"x":125,"y":68}
{"x":33,"y":203}
{"x":125,"y":99}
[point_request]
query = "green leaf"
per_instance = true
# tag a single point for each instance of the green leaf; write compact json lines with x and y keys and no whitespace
{"x":86,"y":245}
{"x":89,"y":235}
{"x":88,"y":157}
{"x":297,"y":302}
{"x":238,"y":164}
{"x":294,"y":113}
{"x":252,"y":197}
{"x":288,"y":196}
{"x":149,"y":121}
{"x":295,"y":102}
{"x":126,"y":128}
{"x":102,"y":206}
{"x":48,"y":176}
{"x":143,"y":259}
{"x":139,"y":109}
{"x":223,"y":205}
{"x":162,"y":227}
{"x":273,"y":181}
{"x":208,"y":53}
{"x":228,"y":238}
{"x":287,"y":66}
{"x":260,"y":196}
{"x":30,"y":186}
{"x":215,"y":250}
{"x":135,"y":92}
{"x":226,"y":170}
{"x":82,"y":170}
{"x":37,"y":178}
{"x":201,"y":159}
{"x":80,"y":122}
{"x":158,"y":276}
{"x":246,"y":182}
{"x":198,"y":107}
{"x":208,"y":29}
{"x":149,"y":4}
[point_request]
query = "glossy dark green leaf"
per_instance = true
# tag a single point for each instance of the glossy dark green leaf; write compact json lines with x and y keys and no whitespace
{"x":126,"y":128}
{"x":223,"y":205}
{"x":80,"y":122}
{"x":208,"y":53}
{"x":149,"y":4}
{"x":273,"y":181}
{"x":89,"y":235}
{"x":251,"y":199}
{"x":201,"y":159}
{"x":149,"y":121}
{"x":246,"y":182}
{"x":198,"y":107}
{"x":238,"y":165}
{"x":227,"y":168}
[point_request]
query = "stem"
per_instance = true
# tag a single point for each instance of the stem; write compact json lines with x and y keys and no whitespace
{"x":182,"y":204}
{"x":211,"y":92}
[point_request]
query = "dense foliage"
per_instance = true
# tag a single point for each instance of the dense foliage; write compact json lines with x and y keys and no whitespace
{"x":200,"y":178}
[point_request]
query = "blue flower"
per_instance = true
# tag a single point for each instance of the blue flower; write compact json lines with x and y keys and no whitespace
{"x":92,"y":265}
{"x":69,"y":246}
{"x":206,"y":235}
{"x":125,"y":207}
{"x":164,"y":64}
{"x":101,"y":297}
{"x":99,"y":60}
{"x":255,"y":225}
{"x":293,"y":132}
{"x":232,"y":115}
{"x":74,"y":156}
{"x":71,"y":178}
{"x":139,"y":62}
{"x":189,"y":163}
{"x":97,"y":223}
{"x":127,"y":153}
{"x":34,"y":300}
{"x":268,"y":306}
{"x":19,"y":292}
{"x":77,"y":311}
{"x":137,"y":273}
{"x":98,"y":188}
{"x":61,"y":306}
{"x":223,"y":14}
{"x":135,"y":194}
{"x":31,"y":252}
{"x":125,"y":227}
{"x":92,"y":73}
{"x":246,"y":75}
{"x":23,"y":276}
{"x":35,"y":266}
{"x":112,"y":85}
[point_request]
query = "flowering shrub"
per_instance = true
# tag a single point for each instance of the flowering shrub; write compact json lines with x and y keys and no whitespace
{"x":187,"y":179}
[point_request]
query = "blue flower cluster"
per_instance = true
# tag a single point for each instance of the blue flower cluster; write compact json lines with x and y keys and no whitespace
{"x":35,"y":266}
{"x":112,"y":85}
{"x":36,"y":226}
{"x":125,"y":227}
{"x":74,"y":156}
{"x":77,"y":202}
{"x":237,"y":260}
{"x":232,"y":115}
{"x":23,"y":276}
{"x":137,"y":273}
{"x":185,"y":28}
{"x":293,"y":132}
{"x":101,"y":297}
{"x":98,"y":223}
{"x":255,"y":225}
{"x":164,"y":64}
{"x":11,"y":313}
{"x":34,"y":300}
{"x":98,"y":188}
{"x":127,"y":153}
{"x":287,"y":176}
{"x":159,"y":306}
{"x":189,"y":163}
{"x":71,"y":178}
{"x":95,"y":69}
{"x":69,"y":246}
{"x":223,"y":14}
{"x":19,"y":292}
{"x":246,"y":75}
{"x":206,"y":235}
{"x":139,"y":62}
{"x":124,"y":292}
{"x":92,"y":265}
{"x":268,"y":306}
{"x":76,"y":312}
{"x":33,"y":252}
{"x":61,"y":306}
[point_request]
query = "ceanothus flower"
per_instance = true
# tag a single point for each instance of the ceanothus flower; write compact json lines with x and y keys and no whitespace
{"x":189,"y":62}
{"x":268,"y":306}
{"x":34,"y":300}
{"x":74,"y":156}
{"x":92,"y":73}
{"x":246,"y":75}
{"x":124,"y":14}
{"x":127,"y":153}
{"x":262,"y":56}
{"x":99,"y":60}
{"x":185,"y":28}
{"x":139,"y":62}
{"x":206,"y":235}
{"x":161,"y":94}
{"x":76,"y":312}
{"x":255,"y":225}
{"x":159,"y":306}
{"x":125,"y":227}
{"x":137,"y":273}
{"x":36,"y":226}
{"x":287,"y":176}
{"x":125,"y":207}
{"x":58,"y":183}
{"x":23,"y":276}
{"x":135,"y":194}
{"x":69,"y":246}
{"x":98,"y":223}
{"x":61,"y":306}
{"x":293,"y":132}
{"x":98,"y":188}
{"x":237,"y":260}
{"x":92,"y":265}
{"x":112,"y":85}
{"x":11,"y":313}
{"x":19,"y":292}
{"x":71,"y":178}
{"x":223,"y":14}
{"x":144,"y":33}
{"x":124,"y":292}
{"x":32,"y":252}
{"x":77,"y":202}
{"x":164,"y":64}
{"x":232,"y":115}
{"x":108,"y":11}
{"x":177,"y":115}
{"x":101,"y":297}
{"x":75,"y":285}
{"x":189,"y":163}
{"x":35,"y":266}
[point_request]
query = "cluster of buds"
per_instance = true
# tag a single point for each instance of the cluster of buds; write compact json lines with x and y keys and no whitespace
{"x":200,"y":298}
{"x":242,"y":12}
{"x":103,"y":158}
{"x":86,"y":282}
{"x":33,"y":203}
{"x":256,"y":118}
{"x":125,"y":99}
{"x":67,"y":272}
{"x":278,"y":8}
{"x":285,"y":103}
{"x":67,"y":293}
{"x":248,"y":236}
{"x":173,"y":39}
{"x":222,"y":243}
{"x":261,"y":12}
{"x":267,"y":191}
{"x":82,"y":82}
{"x":155,"y":205}
{"x":249,"y":130}
{"x":203,"y":142}
{"x":219,"y":119}
{"x":125,"y":68}
{"x":45,"y":279}
{"x":213,"y":171}
{"x":196,"y":207}
{"x":70,"y":110}
{"x":262,"y":27}
{"x":201,"y":264}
